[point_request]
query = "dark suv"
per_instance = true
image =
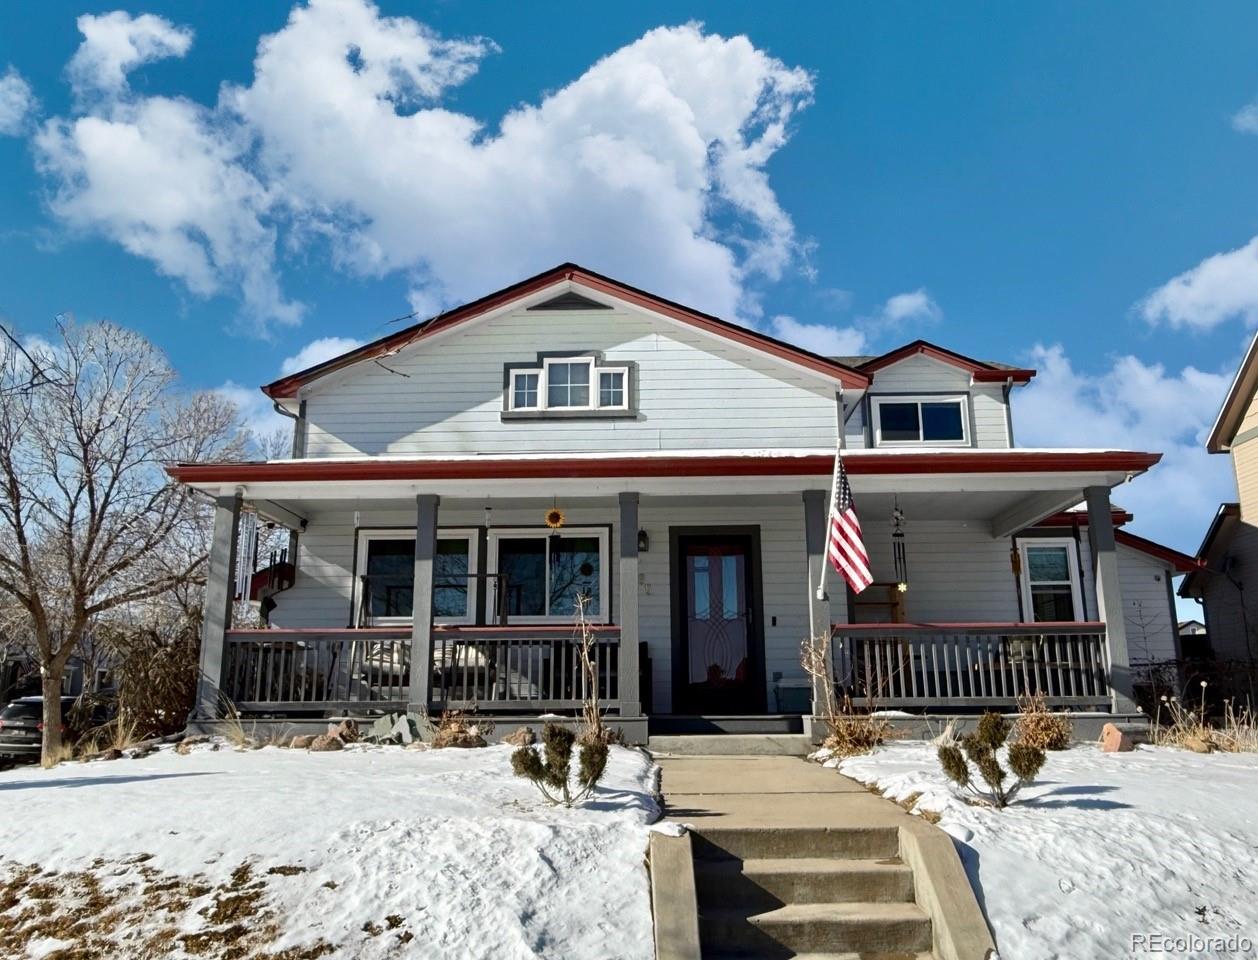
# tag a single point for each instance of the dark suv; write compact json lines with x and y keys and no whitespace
{"x":22,"y":726}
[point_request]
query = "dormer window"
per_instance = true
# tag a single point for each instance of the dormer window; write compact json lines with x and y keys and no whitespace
{"x":925,"y":420}
{"x":567,"y":385}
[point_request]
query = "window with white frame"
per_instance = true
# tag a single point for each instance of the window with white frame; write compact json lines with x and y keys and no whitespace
{"x":920,"y":420}
{"x":542,"y":573}
{"x":1050,"y":579}
{"x":568,"y":384}
{"x":384,"y":588}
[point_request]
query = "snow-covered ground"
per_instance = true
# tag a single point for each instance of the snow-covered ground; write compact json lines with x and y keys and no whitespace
{"x":1103,"y":847}
{"x":383,"y":852}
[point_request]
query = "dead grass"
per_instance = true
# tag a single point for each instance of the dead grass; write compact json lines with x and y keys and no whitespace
{"x":1189,"y":728}
{"x":1039,"y":727}
{"x":461,"y":728}
{"x":129,"y":909}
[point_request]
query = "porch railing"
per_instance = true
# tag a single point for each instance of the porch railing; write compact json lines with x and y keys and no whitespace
{"x":522,"y":669}
{"x":972,"y":664}
{"x":316,"y":670}
{"x":513,"y":668}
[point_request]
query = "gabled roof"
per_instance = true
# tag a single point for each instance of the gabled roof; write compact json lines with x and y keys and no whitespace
{"x":982,"y":371}
{"x":1217,"y":537}
{"x":1236,"y":402}
{"x":577,"y":277}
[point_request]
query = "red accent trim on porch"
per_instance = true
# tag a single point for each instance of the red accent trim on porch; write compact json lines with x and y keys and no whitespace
{"x":559,"y":467}
{"x":980,"y":371}
{"x":1068,"y":518}
{"x":287,"y":387}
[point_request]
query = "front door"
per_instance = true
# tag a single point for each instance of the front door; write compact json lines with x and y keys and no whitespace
{"x":720,"y":653}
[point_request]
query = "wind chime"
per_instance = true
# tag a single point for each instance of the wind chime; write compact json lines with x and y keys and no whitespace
{"x":897,"y":549}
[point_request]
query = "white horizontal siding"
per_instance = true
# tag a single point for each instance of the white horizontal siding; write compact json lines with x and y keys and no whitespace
{"x":446,"y":397}
{"x":1147,"y":615}
{"x":957,"y":572}
{"x":921,"y":374}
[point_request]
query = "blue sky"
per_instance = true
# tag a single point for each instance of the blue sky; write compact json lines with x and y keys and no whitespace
{"x":1018,"y":182}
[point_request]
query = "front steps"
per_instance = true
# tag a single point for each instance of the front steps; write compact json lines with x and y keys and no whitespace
{"x":731,"y":744}
{"x":837,"y":892}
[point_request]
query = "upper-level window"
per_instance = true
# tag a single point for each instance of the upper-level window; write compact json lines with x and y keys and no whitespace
{"x":568,"y":384}
{"x":920,"y":420}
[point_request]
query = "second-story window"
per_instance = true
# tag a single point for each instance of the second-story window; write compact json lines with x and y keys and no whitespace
{"x":564,"y":384}
{"x":920,"y":420}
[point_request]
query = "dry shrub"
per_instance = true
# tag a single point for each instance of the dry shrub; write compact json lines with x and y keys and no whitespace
{"x":1037,"y":726}
{"x":852,"y":732}
{"x":461,"y":728}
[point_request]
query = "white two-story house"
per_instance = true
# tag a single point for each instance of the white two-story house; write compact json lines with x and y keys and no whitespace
{"x":458,"y":485}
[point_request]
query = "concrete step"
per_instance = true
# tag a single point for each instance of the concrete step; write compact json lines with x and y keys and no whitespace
{"x":756,"y":723}
{"x":731,"y":744}
{"x":867,"y":928}
{"x":756,"y":843}
{"x":757,"y":885}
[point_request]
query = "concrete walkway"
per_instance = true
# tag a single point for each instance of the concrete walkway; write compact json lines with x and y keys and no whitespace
{"x":768,"y":792}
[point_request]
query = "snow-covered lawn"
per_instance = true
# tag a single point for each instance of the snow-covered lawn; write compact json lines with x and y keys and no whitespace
{"x":372,"y":852}
{"x":1101,"y":848}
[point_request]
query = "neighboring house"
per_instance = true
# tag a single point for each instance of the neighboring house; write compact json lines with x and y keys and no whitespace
{"x":1226,"y":585}
{"x":1192,"y":628}
{"x":691,"y":460}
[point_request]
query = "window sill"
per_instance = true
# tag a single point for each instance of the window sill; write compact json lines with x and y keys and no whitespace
{"x":569,"y":414}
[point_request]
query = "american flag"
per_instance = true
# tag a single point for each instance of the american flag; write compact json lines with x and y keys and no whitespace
{"x":844,"y":544}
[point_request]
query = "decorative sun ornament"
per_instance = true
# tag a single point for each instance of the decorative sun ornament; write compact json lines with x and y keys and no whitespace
{"x":554,"y":518}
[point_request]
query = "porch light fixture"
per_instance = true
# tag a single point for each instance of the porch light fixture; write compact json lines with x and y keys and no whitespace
{"x":644,"y":542}
{"x":897,"y":549}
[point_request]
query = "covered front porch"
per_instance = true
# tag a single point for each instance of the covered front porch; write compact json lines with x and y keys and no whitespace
{"x":701,"y":574}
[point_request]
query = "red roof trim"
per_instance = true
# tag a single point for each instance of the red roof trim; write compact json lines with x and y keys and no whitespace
{"x":559,"y":467}
{"x":1180,"y":561}
{"x":287,"y":387}
{"x":981,"y":372}
{"x":1068,"y":518}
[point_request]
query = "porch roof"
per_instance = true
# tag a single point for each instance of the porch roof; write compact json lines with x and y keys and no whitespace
{"x":1011,"y":489}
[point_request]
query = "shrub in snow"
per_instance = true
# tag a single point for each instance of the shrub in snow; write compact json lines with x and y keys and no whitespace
{"x":551,"y":769}
{"x":459,"y":729}
{"x":979,"y":748}
{"x":1037,"y":726}
{"x":851,"y":731}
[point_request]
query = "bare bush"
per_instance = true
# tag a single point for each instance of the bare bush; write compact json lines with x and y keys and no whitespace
{"x":850,"y":731}
{"x":1039,"y":727}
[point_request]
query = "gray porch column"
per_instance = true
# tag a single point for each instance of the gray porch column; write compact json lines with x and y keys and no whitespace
{"x":421,"y":601}
{"x":216,"y":619}
{"x":816,"y":506}
{"x":629,"y":694}
{"x":1109,"y":596}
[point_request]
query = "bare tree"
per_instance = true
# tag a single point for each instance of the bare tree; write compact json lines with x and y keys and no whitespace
{"x":89,"y":521}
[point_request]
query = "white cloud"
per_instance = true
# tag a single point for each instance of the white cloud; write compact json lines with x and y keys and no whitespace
{"x":1245,"y":120}
{"x":116,"y":43}
{"x":823,"y":338}
{"x":316,"y":351}
{"x":650,"y":166}
{"x":17,"y":103}
{"x":912,"y":307}
{"x":255,"y":409}
{"x":1136,"y":406}
{"x":1220,"y":288}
